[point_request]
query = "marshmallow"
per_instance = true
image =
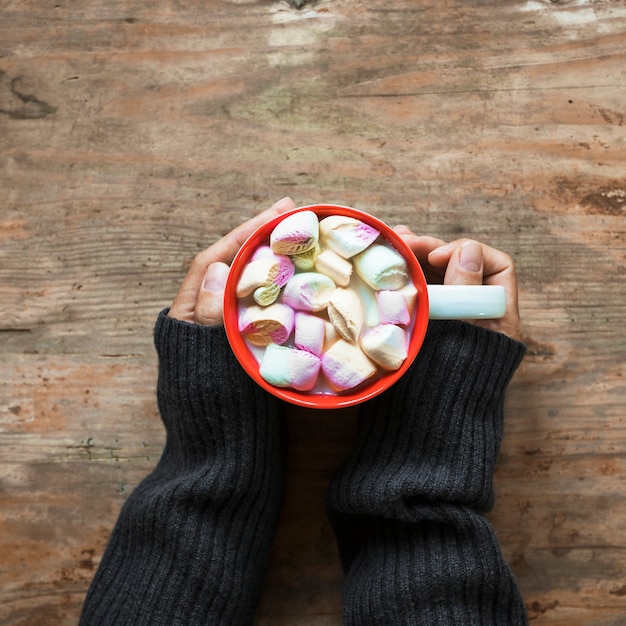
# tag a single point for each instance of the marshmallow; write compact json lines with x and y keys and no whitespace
{"x":305,"y":261}
{"x":368,"y":298}
{"x":282,"y":366}
{"x":266,"y":325}
{"x":262,"y":252}
{"x":409,"y":291}
{"x":286,"y":267}
{"x":345,"y":311}
{"x":392,"y":307}
{"x":295,"y":234}
{"x":346,"y":236}
{"x":387,"y":345}
{"x":265,"y":296}
{"x":330,"y":295}
{"x":330,"y":335}
{"x":382,"y":267}
{"x":335,"y":267}
{"x":259,"y":273}
{"x":309,"y":333}
{"x":309,"y":291}
{"x":346,"y":366}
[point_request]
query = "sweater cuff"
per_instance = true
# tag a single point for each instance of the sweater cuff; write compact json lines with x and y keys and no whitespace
{"x":435,"y":435}
{"x":453,"y":408}
{"x":467,"y":362}
{"x":202,"y":388}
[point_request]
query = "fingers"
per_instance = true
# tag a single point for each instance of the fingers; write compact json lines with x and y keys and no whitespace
{"x":461,"y":262}
{"x":228,"y":246}
{"x":209,"y":305}
{"x":223,"y":251}
{"x":465,"y":264}
{"x":422,"y":245}
{"x":468,"y":262}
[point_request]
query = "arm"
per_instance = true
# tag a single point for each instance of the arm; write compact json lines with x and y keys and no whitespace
{"x":191,"y":543}
{"x":406,"y":503}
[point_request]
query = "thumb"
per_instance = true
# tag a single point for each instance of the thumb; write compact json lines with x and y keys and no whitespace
{"x":466,"y":265}
{"x":209,"y":305}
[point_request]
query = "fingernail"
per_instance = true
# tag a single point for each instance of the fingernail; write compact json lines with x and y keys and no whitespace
{"x":280,"y":204}
{"x":402,"y":229}
{"x":215,"y":277}
{"x":442,"y":249}
{"x":471,"y":257}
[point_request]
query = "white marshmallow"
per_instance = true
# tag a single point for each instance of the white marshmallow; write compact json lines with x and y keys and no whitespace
{"x":368,"y":298}
{"x":330,"y":335}
{"x":387,"y":345}
{"x":346,"y":236}
{"x":392,"y":307}
{"x":409,"y":291}
{"x":262,"y":326}
{"x":259,"y":273}
{"x":282,"y":366}
{"x":346,"y":366}
{"x":295,"y":234}
{"x":345,"y":311}
{"x":382,"y":267}
{"x":309,"y":291}
{"x":309,"y":333}
{"x":335,"y":267}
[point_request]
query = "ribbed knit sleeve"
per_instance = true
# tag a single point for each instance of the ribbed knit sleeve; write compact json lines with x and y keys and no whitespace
{"x":192,"y":542}
{"x":406,"y":503}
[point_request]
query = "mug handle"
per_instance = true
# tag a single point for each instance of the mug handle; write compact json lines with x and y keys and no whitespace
{"x":466,"y":302}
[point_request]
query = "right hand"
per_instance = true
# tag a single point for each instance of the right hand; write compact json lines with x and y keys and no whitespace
{"x":469,"y":262}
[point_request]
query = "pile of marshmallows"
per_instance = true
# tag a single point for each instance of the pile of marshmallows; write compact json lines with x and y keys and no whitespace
{"x":329,"y":301}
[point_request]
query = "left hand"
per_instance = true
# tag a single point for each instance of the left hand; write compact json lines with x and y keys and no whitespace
{"x":200,"y":297}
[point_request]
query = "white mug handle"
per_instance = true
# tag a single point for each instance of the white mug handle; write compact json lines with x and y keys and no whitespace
{"x":466,"y":302}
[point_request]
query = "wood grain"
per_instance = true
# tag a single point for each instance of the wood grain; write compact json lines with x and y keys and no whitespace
{"x":132,"y":135}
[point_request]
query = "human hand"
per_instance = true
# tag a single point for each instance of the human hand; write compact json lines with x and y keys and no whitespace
{"x":469,"y":262}
{"x":200,"y":297}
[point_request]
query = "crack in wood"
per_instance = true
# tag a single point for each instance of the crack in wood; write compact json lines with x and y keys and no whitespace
{"x":32,"y":108}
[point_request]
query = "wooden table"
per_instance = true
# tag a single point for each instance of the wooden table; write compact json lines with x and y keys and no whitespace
{"x":133,"y":134}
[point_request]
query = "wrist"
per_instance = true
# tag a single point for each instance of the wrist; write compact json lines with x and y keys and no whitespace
{"x":202,"y":389}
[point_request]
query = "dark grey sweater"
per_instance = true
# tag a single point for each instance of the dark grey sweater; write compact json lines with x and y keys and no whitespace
{"x":192,"y":542}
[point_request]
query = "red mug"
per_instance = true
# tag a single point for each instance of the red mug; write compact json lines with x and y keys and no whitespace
{"x":417,"y":328}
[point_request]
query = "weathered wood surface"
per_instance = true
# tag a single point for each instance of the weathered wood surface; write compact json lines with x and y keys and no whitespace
{"x":133,"y":134}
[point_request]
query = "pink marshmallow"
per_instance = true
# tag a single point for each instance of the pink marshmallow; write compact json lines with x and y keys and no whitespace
{"x":262,"y":326}
{"x":295,"y":234}
{"x":346,"y":366}
{"x":286,"y":268}
{"x":282,"y":366}
{"x":392,"y":307}
{"x":262,"y":252}
{"x":309,"y":333}
{"x":346,"y":236}
{"x":308,"y":291}
{"x":387,"y":345}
